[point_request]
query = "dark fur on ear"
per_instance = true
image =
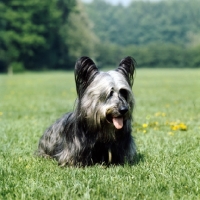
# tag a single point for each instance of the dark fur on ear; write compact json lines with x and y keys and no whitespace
{"x":85,"y":72}
{"x":127,"y":68}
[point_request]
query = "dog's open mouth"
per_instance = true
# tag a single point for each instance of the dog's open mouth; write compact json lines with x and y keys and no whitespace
{"x":118,"y":122}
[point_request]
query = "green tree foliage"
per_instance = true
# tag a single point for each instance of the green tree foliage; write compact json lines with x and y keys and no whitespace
{"x":29,"y":32}
{"x":37,"y":35}
{"x":45,"y":34}
{"x":164,"y":33}
{"x":81,"y":40}
{"x":145,"y":22}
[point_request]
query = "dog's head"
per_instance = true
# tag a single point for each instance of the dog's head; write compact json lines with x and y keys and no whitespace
{"x":105,"y":97}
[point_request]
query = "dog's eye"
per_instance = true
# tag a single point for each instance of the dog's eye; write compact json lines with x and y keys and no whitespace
{"x":124,"y":93}
{"x":111,"y":93}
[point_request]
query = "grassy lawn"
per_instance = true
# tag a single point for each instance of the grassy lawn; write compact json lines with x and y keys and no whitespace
{"x":166,"y":128}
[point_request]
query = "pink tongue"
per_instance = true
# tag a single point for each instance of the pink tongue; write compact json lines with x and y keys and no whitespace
{"x":118,"y":122}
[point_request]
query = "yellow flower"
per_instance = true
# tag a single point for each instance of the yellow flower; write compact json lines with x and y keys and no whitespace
{"x":178,"y":126}
{"x":171,"y":133}
{"x":156,"y":123}
{"x":160,"y":114}
{"x":1,"y":113}
{"x":157,"y":114}
{"x":144,"y":125}
{"x":27,"y":166}
{"x":182,"y":127}
{"x":174,"y":127}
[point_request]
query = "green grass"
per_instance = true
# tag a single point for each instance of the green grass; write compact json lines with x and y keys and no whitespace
{"x":166,"y":128}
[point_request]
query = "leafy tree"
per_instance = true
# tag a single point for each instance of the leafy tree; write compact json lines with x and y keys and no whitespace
{"x":80,"y":39}
{"x":29,"y":35}
{"x":41,"y":35}
{"x":145,"y":22}
{"x":156,"y":34}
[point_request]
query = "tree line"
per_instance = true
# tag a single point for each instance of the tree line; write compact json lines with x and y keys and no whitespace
{"x":43,"y":35}
{"x":157,"y":34}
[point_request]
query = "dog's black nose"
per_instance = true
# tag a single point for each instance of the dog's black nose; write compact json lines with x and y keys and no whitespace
{"x":123,"y":110}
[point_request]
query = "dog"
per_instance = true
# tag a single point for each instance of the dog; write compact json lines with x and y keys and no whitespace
{"x":98,"y":131}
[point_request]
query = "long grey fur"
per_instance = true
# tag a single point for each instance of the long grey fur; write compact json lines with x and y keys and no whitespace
{"x":99,"y":129}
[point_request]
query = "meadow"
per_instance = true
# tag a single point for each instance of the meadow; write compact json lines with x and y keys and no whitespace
{"x":166,"y":128}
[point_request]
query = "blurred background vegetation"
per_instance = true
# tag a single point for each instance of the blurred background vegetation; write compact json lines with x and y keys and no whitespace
{"x":48,"y":35}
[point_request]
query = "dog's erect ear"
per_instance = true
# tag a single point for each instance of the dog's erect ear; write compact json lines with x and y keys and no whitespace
{"x":127,"y":69}
{"x":85,"y":72}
